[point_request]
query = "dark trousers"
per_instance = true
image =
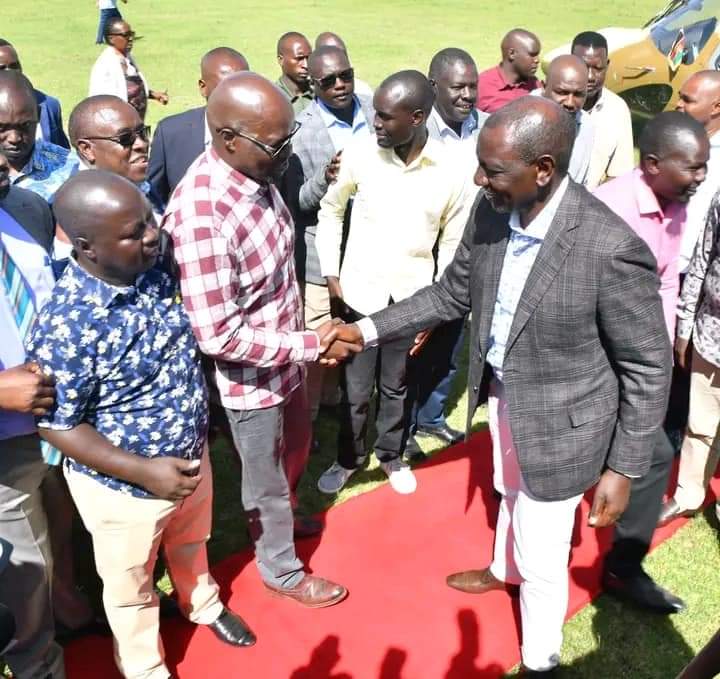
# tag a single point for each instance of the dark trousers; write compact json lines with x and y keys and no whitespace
{"x":634,"y":530}
{"x":273,"y":445}
{"x":431,"y":374}
{"x":105,"y":16}
{"x":383,"y":368}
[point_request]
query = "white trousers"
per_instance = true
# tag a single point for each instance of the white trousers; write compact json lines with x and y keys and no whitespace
{"x":532,"y":545}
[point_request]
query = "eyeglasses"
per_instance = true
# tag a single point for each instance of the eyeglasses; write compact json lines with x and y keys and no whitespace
{"x":127,"y":34}
{"x":272,"y":151}
{"x":127,"y":139}
{"x":329,"y":80}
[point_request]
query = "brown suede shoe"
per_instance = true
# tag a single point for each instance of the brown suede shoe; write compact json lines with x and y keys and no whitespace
{"x":474,"y":582}
{"x":312,"y":592}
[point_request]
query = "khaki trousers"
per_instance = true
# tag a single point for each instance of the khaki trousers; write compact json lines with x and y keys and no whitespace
{"x":322,"y":382}
{"x":699,"y":455}
{"x":127,"y":532}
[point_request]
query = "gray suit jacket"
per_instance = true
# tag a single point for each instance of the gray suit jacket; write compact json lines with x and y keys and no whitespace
{"x":588,"y":360}
{"x":32,"y":213}
{"x":304,"y":185}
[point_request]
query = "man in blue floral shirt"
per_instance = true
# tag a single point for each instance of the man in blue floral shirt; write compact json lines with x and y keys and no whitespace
{"x":130,"y":416}
{"x":35,"y":165}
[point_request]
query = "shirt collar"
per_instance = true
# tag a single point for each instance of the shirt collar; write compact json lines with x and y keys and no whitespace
{"x":470,"y":124}
{"x":540,"y":225}
{"x":428,"y":155}
{"x":94,"y":289}
{"x":245,"y":184}
{"x":293,"y":97}
{"x":647,"y":202}
{"x":330,"y":119}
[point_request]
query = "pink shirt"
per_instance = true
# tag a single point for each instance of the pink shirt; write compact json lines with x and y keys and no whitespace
{"x":630,"y":197}
{"x":494,"y":91}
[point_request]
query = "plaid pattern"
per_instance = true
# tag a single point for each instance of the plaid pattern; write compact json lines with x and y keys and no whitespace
{"x":234,"y":242}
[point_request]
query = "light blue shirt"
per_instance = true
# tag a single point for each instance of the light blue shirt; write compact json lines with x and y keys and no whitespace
{"x":522,"y":250}
{"x":340,"y":132}
{"x":47,"y":170}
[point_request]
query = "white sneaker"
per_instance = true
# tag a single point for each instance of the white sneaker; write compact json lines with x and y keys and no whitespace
{"x":401,"y":477}
{"x":334,"y":478}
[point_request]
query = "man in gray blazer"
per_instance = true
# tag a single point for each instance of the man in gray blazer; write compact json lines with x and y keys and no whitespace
{"x":335,"y":117}
{"x":26,"y":234}
{"x":568,"y":346}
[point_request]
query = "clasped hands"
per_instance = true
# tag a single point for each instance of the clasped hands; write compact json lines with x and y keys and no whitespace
{"x":338,"y":342}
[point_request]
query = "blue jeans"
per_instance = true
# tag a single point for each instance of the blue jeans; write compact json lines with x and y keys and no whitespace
{"x":105,"y":16}
{"x":431,"y":375}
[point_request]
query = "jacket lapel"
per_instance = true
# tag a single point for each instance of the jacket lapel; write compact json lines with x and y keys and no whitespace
{"x":555,"y":248}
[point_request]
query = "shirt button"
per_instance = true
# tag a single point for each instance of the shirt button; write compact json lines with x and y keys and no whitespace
{"x":476,"y":389}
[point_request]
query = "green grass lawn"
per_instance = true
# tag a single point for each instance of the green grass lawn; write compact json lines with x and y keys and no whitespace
{"x":56,"y":45}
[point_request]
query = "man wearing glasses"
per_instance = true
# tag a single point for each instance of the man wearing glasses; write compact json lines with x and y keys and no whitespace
{"x":107,"y":134}
{"x":233,"y":241}
{"x":336,"y":117}
{"x":35,"y":164}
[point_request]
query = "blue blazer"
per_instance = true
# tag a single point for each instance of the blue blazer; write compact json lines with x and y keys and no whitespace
{"x":177,"y":142}
{"x":51,"y":119}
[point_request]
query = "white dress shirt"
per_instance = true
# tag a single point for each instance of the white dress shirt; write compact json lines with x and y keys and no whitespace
{"x":613,"y":153}
{"x":699,"y":204}
{"x":399,"y":213}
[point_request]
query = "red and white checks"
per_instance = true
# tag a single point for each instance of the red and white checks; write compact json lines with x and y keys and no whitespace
{"x":234,"y":241}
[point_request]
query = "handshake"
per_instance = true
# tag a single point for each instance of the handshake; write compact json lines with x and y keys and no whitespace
{"x":338,"y":342}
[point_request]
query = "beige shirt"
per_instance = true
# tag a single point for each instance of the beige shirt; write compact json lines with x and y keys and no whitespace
{"x":612,"y":152}
{"x":399,"y":212}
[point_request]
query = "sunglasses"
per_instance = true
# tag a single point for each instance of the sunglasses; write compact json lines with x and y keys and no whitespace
{"x":127,"y":139}
{"x":127,"y":34}
{"x":272,"y":151}
{"x":329,"y":80}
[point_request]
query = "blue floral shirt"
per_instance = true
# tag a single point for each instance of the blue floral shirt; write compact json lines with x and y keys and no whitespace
{"x":46,"y":171}
{"x":126,"y":362}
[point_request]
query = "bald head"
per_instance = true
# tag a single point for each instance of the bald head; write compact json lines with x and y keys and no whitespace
{"x":86,"y":200}
{"x":409,"y":89}
{"x":93,"y":113}
{"x":248,"y":103}
{"x":567,"y":82}
{"x":327,"y":38}
{"x":216,"y":65}
{"x":322,"y":55}
{"x":19,"y":115}
{"x":700,"y":98}
{"x":535,"y":127}
{"x":110,"y":224}
{"x":520,"y":51}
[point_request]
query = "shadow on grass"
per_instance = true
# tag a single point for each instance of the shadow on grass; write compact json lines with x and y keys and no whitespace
{"x":631,"y":644}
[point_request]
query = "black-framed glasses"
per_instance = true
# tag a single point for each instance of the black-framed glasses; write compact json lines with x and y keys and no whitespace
{"x":272,"y":151}
{"x":127,"y":139}
{"x":329,"y":80}
{"x":127,"y":34}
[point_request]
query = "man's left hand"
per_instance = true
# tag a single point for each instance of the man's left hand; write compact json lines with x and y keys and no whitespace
{"x":611,"y":498}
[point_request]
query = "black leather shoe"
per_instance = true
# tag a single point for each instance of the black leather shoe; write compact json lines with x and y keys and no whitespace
{"x":232,"y":629}
{"x":642,"y":591}
{"x":443,"y":432}
{"x":413,"y":451}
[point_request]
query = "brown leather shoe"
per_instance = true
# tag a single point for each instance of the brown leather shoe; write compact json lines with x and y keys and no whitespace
{"x":474,"y":582}
{"x":312,"y":592}
{"x":671,"y":510}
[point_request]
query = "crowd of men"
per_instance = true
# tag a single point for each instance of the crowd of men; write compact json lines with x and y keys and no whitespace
{"x":314,"y":241}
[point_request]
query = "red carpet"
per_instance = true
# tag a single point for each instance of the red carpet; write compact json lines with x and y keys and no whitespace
{"x":400,"y":621}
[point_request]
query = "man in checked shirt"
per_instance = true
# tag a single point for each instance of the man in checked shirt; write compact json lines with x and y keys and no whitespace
{"x":234,"y":241}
